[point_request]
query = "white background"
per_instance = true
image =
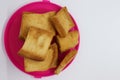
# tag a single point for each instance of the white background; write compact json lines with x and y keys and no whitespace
{"x":99,"y":54}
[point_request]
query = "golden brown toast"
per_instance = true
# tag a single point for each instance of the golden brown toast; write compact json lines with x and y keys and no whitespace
{"x":65,"y":61}
{"x":33,"y":65}
{"x":62,"y":22}
{"x":70,"y":41}
{"x":50,"y":61}
{"x":37,"y":20}
{"x":55,"y":54}
{"x":36,"y":44}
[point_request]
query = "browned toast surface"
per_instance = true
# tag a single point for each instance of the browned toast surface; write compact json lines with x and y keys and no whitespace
{"x":50,"y":61}
{"x":33,"y":65}
{"x":70,"y":41}
{"x":37,"y":20}
{"x":36,"y":44}
{"x":62,"y":22}
{"x":55,"y":54}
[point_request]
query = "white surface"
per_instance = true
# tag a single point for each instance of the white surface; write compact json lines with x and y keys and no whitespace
{"x":99,"y":54}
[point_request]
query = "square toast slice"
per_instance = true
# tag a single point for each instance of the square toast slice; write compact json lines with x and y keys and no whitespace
{"x":62,"y":22}
{"x":36,"y":44}
{"x":67,"y":59}
{"x":49,"y":62}
{"x":37,"y":20}
{"x":70,"y":41}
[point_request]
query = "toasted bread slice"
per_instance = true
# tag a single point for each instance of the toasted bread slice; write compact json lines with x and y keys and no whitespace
{"x":50,"y":61}
{"x":65,"y":61}
{"x":70,"y":41}
{"x":36,"y":44}
{"x":37,"y":20}
{"x":55,"y":55}
{"x":62,"y":22}
{"x":33,"y":65}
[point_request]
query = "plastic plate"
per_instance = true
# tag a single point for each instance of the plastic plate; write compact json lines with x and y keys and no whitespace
{"x":12,"y":42}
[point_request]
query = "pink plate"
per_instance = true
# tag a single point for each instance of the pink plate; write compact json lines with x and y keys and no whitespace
{"x":13,"y":43}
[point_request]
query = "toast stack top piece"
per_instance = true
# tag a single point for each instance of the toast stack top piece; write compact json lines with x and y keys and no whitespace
{"x":62,"y":22}
{"x":37,"y":20}
{"x":36,"y":44}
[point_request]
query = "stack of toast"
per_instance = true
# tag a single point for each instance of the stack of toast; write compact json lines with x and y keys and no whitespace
{"x":39,"y":50}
